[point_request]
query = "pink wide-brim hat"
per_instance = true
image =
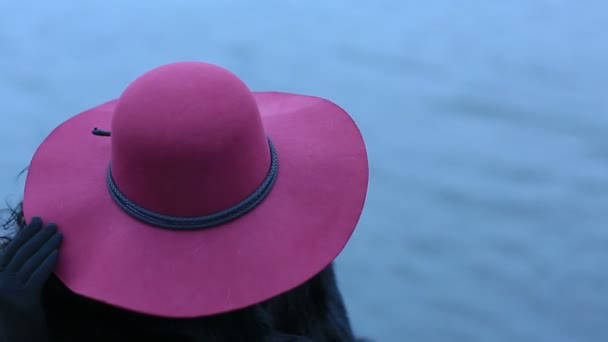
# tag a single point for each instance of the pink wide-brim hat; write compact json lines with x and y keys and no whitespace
{"x":191,"y":195}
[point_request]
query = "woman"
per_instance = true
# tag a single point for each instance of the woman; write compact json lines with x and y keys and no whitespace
{"x":177,"y":225}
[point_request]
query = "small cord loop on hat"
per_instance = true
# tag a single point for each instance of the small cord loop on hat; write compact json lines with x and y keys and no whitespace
{"x":194,"y":223}
{"x":101,"y":132}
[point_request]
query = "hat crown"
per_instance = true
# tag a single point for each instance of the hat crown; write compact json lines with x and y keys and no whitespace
{"x":187,"y":140}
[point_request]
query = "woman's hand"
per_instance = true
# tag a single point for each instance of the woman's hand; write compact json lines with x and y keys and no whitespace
{"x":25,"y":265}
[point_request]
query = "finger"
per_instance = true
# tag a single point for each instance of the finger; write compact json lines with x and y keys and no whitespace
{"x":31,"y":247}
{"x":43,"y":272}
{"x":20,"y":239}
{"x":38,"y":258}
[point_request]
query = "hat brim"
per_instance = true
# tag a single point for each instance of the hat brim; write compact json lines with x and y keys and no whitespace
{"x":299,"y":229}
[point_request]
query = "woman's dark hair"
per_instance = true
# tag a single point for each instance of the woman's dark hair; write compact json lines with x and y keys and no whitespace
{"x":14,"y":221}
{"x":314,"y":311}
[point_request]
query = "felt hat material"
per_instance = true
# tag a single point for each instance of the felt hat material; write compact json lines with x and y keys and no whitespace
{"x":203,"y":197}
